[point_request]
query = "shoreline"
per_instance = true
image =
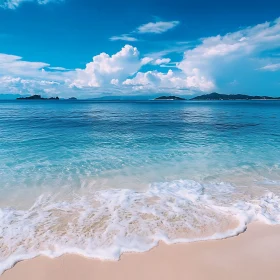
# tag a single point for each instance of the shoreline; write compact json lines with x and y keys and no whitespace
{"x":254,"y":254}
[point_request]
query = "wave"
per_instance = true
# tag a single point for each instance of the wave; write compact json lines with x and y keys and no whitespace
{"x":104,"y":224}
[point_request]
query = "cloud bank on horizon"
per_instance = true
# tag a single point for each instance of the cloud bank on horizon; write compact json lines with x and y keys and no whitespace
{"x":232,"y":57}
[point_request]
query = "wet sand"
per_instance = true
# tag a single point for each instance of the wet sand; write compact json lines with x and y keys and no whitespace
{"x":254,"y":254}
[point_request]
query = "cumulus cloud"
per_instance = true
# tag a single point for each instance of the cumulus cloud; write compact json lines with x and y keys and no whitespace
{"x":157,"y":81}
{"x":18,"y":85}
{"x":231,"y":57}
{"x":160,"y":61}
{"x":13,"y":4}
{"x":115,"y":82}
{"x":157,"y":27}
{"x":27,"y":77}
{"x":105,"y":68}
{"x":219,"y":54}
{"x":122,"y":70}
{"x":215,"y":57}
{"x":119,"y":72}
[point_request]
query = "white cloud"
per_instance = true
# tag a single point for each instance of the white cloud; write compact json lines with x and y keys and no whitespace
{"x":124,"y":37}
{"x":114,"y":82}
{"x":232,"y":57}
{"x":157,"y":81}
{"x":160,"y":61}
{"x":13,"y":4}
{"x":157,"y":27}
{"x":14,"y":65}
{"x":58,"y":68}
{"x":105,"y":68}
{"x":146,"y":60}
{"x":119,"y":69}
{"x":151,"y":27}
{"x":26,"y":77}
{"x":271,"y":67}
{"x":215,"y":57}
{"x":218,"y":55}
{"x":9,"y":84}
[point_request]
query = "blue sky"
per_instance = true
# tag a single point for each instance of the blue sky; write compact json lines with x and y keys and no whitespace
{"x":91,"y":48}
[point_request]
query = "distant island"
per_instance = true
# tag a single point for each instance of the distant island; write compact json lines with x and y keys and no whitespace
{"x":169,"y":98}
{"x":217,"y":96}
{"x":214,"y":96}
{"x":37,"y":97}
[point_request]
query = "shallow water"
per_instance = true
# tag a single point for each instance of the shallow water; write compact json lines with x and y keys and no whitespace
{"x":101,"y":178}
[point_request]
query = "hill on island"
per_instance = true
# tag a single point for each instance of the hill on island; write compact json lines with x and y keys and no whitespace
{"x":172,"y":97}
{"x":37,"y":97}
{"x":217,"y":96}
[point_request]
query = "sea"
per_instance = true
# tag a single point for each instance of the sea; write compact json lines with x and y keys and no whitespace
{"x":100,"y":178}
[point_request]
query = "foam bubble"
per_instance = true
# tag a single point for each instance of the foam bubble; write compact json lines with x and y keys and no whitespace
{"x":104,"y":224}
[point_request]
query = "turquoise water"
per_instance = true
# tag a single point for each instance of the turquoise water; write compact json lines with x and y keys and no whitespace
{"x":102,"y":178}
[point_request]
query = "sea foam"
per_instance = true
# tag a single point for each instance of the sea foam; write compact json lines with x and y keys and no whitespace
{"x":104,"y":224}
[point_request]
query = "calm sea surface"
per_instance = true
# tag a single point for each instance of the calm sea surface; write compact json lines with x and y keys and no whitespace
{"x":102,"y":178}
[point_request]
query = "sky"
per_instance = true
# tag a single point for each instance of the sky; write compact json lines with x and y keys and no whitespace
{"x":92,"y":48}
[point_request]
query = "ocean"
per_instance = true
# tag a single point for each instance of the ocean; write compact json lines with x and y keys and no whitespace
{"x":103,"y":178}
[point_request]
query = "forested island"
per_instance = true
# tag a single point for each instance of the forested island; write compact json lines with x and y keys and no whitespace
{"x":172,"y":97}
{"x":214,"y":96}
{"x":217,"y":96}
{"x":37,"y":97}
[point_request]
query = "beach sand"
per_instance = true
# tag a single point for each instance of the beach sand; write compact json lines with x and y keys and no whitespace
{"x":254,"y":254}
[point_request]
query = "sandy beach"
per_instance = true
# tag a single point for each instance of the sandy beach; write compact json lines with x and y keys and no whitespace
{"x":254,"y":254}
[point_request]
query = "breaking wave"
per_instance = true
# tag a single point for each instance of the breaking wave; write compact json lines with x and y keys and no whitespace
{"x":104,"y":224}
